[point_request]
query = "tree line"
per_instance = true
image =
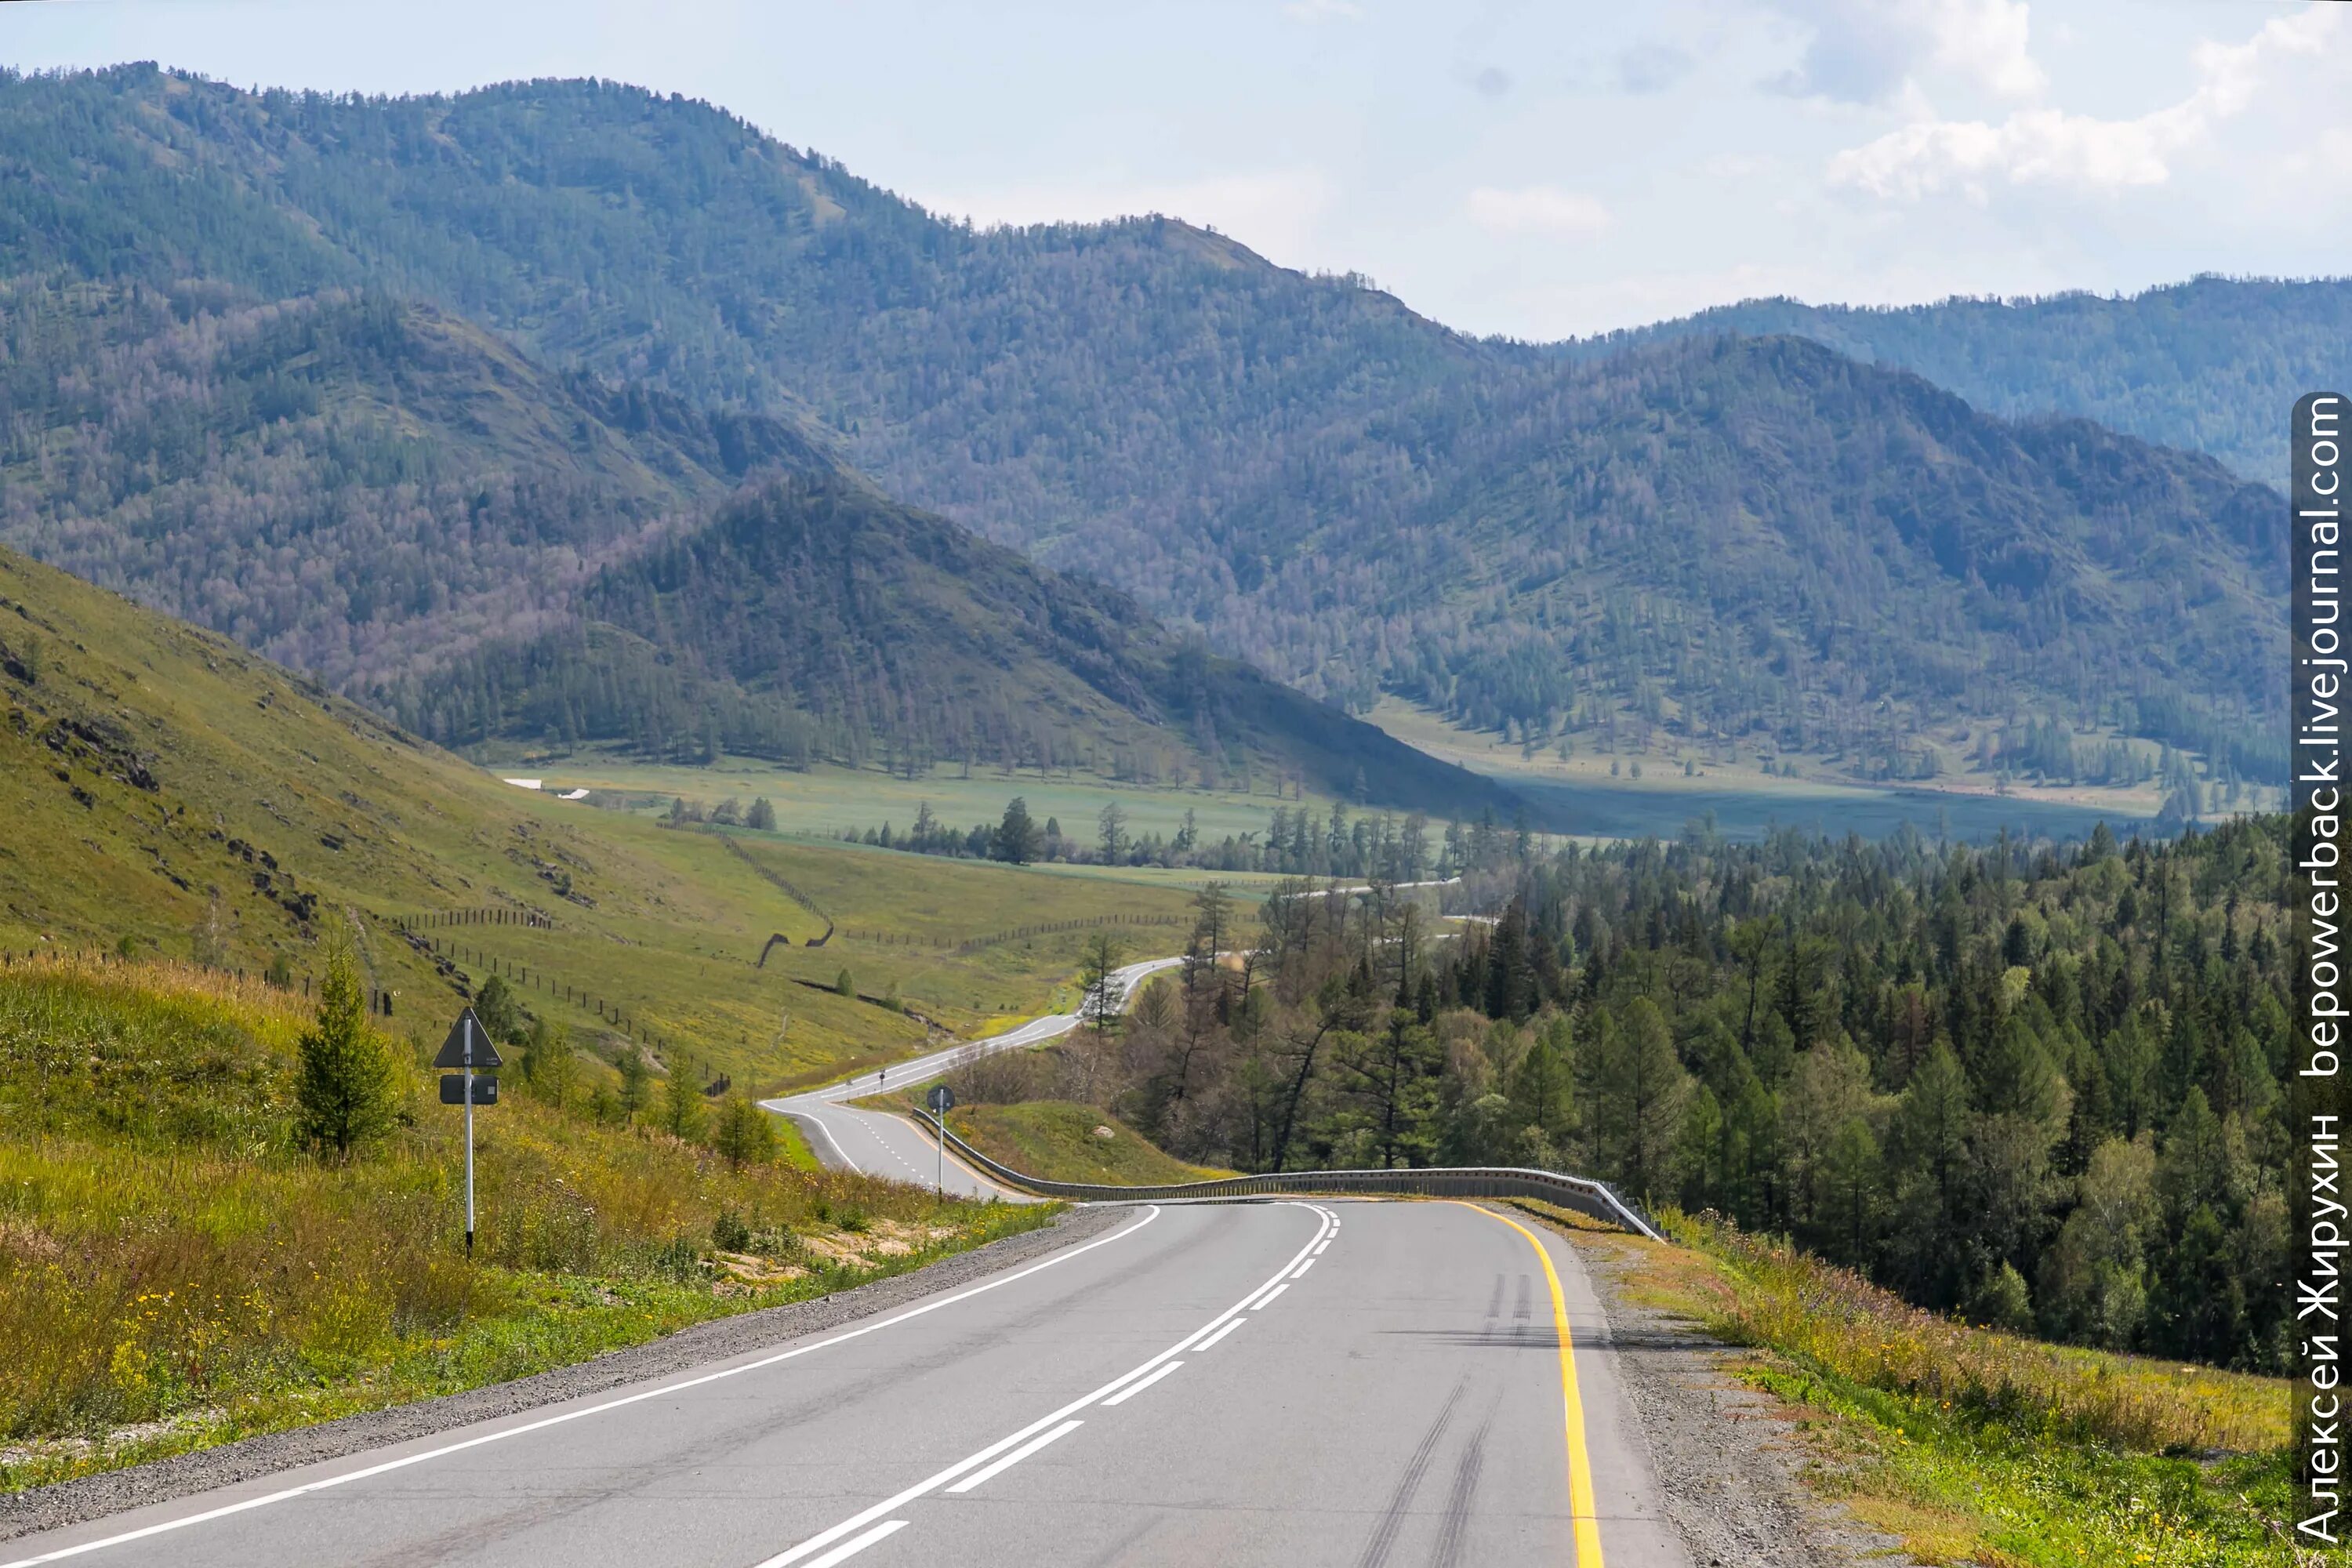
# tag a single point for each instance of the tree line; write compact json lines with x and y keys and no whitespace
{"x":1297,"y":841}
{"x":2040,"y":1085}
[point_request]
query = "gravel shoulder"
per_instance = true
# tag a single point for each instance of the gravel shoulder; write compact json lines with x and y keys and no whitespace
{"x":114,"y":1491}
{"x":1728,"y":1456}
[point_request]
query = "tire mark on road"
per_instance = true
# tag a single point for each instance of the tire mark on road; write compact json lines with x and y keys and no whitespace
{"x":1452,"y":1533}
{"x":1384,"y":1535}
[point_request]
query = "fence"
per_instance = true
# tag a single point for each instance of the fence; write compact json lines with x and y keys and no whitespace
{"x":1596,"y":1200}
{"x":481,"y":917}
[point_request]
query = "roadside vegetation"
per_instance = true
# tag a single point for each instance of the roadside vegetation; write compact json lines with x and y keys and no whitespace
{"x":1059,"y":1139}
{"x":223,"y":1212}
{"x":1972,"y":1446}
{"x":2041,"y":1086}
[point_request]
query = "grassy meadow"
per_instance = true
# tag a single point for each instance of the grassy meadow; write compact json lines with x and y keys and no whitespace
{"x":175,"y":1271}
{"x":1973,"y":1447}
{"x":1059,"y":1139}
{"x":827,"y":799}
{"x":1596,"y":792}
{"x":167,"y":796}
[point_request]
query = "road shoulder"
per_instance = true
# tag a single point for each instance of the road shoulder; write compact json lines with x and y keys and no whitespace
{"x":111,"y":1492}
{"x":1728,"y":1457}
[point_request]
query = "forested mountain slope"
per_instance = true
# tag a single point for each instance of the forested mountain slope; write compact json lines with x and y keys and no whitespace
{"x":1325,"y":483}
{"x":814,"y":617}
{"x":2212,"y":366}
{"x":397,"y":501}
{"x":346,"y":483}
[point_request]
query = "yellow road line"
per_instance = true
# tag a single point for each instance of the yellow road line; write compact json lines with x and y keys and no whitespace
{"x":1584,"y":1511}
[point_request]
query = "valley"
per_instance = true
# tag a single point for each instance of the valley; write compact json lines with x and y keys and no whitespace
{"x":1801,"y":784}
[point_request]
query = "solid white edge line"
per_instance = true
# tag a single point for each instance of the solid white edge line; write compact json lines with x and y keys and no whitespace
{"x":659,"y":1391}
{"x":1268,"y":1299}
{"x":1132,"y":1389}
{"x":848,"y":1550}
{"x":1015,"y":1458}
{"x":1319,"y":1251}
{"x":826,"y":1538}
{"x":1300,"y":1272}
{"x":847,"y":1163}
{"x":1221,"y":1333}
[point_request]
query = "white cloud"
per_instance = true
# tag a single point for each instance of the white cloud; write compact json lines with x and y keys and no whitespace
{"x":1535,"y":209}
{"x":2081,"y":152}
{"x":1985,"y":40}
{"x":1314,"y":11}
{"x":1865,"y":51}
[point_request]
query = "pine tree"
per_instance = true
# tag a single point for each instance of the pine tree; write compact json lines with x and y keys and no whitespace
{"x":1638,"y":1089}
{"x":344,"y":1076}
{"x":744,"y":1135}
{"x":1104,"y":997}
{"x":683,"y":1114}
{"x":634,"y":1085}
{"x":549,"y":1063}
{"x":1016,"y":841}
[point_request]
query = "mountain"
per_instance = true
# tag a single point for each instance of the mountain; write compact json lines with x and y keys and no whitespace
{"x":1318,"y":480}
{"x":408,"y":507}
{"x":814,"y":616}
{"x":2212,"y":366}
{"x":347,"y":483}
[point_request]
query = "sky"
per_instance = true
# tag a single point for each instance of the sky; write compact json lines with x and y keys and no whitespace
{"x":1537,"y":170}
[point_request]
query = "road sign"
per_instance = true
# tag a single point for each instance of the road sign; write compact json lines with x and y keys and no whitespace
{"x":942,"y":1099}
{"x":453,"y":1049}
{"x":453,"y":1088}
{"x":469,"y":1049}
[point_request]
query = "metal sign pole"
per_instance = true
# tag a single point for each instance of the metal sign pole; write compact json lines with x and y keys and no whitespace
{"x":939,"y":1151}
{"x":470,"y":1132}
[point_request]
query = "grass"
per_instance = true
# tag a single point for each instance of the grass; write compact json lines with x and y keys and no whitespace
{"x":174,"y":1273}
{"x":1583,"y":795}
{"x":1062,"y":1141}
{"x":1977,"y":1447}
{"x":167,"y":791}
{"x":824,"y":800}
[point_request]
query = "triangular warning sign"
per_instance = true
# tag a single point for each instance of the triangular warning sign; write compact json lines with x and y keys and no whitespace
{"x":453,"y":1049}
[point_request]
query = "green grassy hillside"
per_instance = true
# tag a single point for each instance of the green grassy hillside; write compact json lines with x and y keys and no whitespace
{"x":1062,"y":1141}
{"x":176,"y":1271}
{"x":164,"y":791}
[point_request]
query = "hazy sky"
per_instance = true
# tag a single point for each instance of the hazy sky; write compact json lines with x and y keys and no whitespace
{"x":1527,"y":168}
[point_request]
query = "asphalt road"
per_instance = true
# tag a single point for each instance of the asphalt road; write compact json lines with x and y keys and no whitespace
{"x":1356,"y":1385}
{"x":884,"y":1145}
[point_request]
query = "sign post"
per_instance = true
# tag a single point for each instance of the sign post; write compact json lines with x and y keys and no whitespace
{"x":942,"y":1101}
{"x":469,"y":1048}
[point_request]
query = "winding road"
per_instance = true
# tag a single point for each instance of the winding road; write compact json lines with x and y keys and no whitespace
{"x":1290,"y":1384}
{"x":882,"y":1145}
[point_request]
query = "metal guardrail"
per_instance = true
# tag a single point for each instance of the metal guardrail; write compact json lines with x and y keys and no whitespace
{"x":1596,"y":1200}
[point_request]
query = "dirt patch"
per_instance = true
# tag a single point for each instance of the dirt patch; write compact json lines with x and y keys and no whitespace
{"x":880,"y":1238}
{"x":1729,"y":1457}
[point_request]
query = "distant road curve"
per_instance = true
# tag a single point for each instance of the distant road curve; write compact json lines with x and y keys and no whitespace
{"x":881,"y":1145}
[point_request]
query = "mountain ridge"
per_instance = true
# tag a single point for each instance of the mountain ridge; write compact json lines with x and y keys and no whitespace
{"x":1284,"y":465}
